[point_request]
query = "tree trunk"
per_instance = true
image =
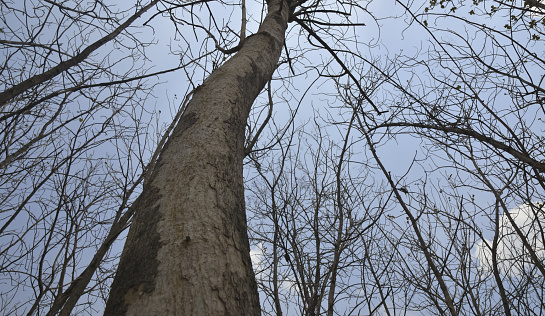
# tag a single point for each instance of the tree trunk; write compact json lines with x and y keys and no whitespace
{"x":187,"y":252}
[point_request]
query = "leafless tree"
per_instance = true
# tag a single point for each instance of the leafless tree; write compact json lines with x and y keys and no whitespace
{"x":75,"y":148}
{"x":476,"y":214}
{"x":460,"y":230}
{"x":340,"y":225}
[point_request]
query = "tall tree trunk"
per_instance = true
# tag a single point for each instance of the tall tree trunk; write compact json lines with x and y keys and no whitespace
{"x":187,"y":252}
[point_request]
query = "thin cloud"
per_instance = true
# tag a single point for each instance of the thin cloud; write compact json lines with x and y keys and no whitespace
{"x":512,"y":257}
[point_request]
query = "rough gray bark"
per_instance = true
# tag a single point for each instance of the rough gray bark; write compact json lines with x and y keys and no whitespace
{"x":187,"y":252}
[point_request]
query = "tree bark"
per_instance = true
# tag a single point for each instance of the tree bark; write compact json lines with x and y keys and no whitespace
{"x":187,"y":252}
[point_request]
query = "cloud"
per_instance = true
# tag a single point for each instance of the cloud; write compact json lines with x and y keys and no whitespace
{"x":256,"y":255}
{"x":512,"y":257}
{"x":263,"y":273}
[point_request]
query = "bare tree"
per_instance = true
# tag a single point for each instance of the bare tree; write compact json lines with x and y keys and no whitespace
{"x":473,"y":196}
{"x":342,"y":221}
{"x":460,"y":230}
{"x":315,"y":213}
{"x":187,"y":251}
{"x":75,"y":146}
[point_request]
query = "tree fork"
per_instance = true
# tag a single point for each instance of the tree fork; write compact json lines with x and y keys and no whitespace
{"x":187,"y":251}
